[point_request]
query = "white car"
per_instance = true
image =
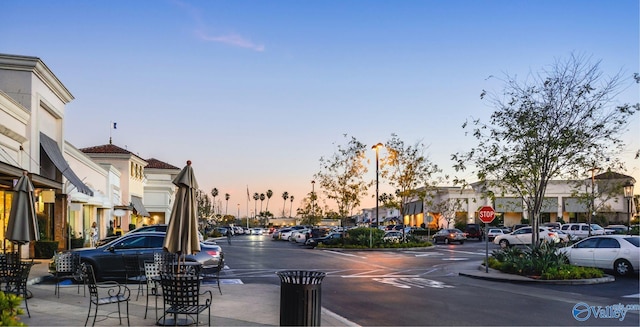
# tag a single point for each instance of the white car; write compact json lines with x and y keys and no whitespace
{"x":493,"y":232}
{"x":581,"y":230}
{"x":620,"y":253}
{"x":299,"y":236}
{"x":522,"y":236}
{"x":393,"y":236}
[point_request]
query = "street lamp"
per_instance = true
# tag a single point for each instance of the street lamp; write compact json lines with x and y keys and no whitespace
{"x":628,"y":194}
{"x":375,"y":147}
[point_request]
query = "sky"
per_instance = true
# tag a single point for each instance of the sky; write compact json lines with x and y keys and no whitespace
{"x":254,"y":93}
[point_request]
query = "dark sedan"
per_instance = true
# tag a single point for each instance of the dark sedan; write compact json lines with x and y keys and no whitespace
{"x":331,"y":239}
{"x":108,"y":264}
{"x":449,"y":235}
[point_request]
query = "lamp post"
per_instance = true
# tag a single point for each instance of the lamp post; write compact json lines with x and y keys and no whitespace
{"x":593,"y":196}
{"x":375,"y":147}
{"x":628,"y":194}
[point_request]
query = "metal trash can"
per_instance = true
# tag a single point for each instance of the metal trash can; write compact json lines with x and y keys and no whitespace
{"x":300,"y":297}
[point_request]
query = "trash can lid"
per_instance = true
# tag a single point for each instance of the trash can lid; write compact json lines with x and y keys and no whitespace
{"x":301,"y":276}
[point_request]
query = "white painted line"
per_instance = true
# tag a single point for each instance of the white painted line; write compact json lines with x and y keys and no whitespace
{"x":380,"y":276}
{"x":429,"y":254}
{"x":455,"y":259}
{"x":633,"y":295}
{"x":344,"y":254}
{"x":466,"y":252}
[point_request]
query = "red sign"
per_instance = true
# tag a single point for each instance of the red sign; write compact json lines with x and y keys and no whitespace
{"x":486,"y":214}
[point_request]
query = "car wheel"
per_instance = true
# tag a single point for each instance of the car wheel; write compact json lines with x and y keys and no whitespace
{"x":504,"y":244}
{"x":446,"y":241}
{"x":622,"y":267}
{"x":461,"y":242}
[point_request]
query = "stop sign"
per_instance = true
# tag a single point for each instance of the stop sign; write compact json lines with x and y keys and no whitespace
{"x":486,"y":214}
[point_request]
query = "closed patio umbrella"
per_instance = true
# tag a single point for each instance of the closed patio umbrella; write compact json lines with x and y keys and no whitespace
{"x":22,"y":226}
{"x":182,"y":231}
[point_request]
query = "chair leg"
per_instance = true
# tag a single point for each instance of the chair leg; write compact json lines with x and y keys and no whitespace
{"x":88,"y":314}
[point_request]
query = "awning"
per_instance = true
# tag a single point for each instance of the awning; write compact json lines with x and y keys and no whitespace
{"x":136,"y":202}
{"x":508,"y":205}
{"x":53,"y":151}
{"x":413,"y":208}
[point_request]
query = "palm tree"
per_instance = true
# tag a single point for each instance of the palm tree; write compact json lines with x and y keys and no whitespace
{"x":269,"y":195}
{"x":226,"y":208}
{"x":285,"y":196}
{"x":256,"y":197}
{"x":262,"y":197}
{"x":214,"y":193}
{"x":291,"y":206}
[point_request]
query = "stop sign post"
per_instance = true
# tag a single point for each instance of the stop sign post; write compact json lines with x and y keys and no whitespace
{"x":486,"y":214}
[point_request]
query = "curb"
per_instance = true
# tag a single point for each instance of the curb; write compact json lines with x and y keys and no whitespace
{"x":495,"y":275}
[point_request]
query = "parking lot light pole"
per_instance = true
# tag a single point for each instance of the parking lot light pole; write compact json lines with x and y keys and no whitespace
{"x":628,"y":194}
{"x":376,"y":147}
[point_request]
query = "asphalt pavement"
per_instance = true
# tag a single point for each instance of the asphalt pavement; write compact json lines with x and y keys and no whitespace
{"x":238,"y":305}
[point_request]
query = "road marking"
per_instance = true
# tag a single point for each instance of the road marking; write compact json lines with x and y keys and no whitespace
{"x":466,"y":252}
{"x":344,"y":254}
{"x":380,"y":276}
{"x":633,"y":295}
{"x":409,"y":282}
{"x":455,"y":259}
{"x":429,"y":254}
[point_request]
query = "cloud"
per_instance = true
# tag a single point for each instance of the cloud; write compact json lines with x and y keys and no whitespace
{"x":233,"y":40}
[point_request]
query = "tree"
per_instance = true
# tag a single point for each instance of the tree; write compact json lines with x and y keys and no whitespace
{"x":285,"y":196}
{"x":408,"y":171}
{"x":342,"y":176}
{"x":262,"y":197}
{"x":291,"y":206}
{"x":203,"y":204}
{"x":558,"y":125}
{"x":214,"y":193}
{"x":446,"y":209}
{"x":269,"y":195}
{"x":227,"y":196}
{"x":256,"y":197}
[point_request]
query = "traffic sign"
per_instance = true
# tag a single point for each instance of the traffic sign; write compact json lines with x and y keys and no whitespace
{"x":486,"y":214}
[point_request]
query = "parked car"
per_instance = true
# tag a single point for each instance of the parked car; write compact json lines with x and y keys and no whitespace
{"x":474,"y":231}
{"x":493,"y":232}
{"x":620,"y":253}
{"x":449,"y":235}
{"x":108,"y":263}
{"x":581,"y":230}
{"x":286,"y":233}
{"x":148,"y":228}
{"x":618,"y":229}
{"x":566,"y":237}
{"x":392,"y":236}
{"x":256,"y":231}
{"x":331,"y":239}
{"x":299,"y":236}
{"x":518,"y":226}
{"x":553,"y":225}
{"x":523,"y":235}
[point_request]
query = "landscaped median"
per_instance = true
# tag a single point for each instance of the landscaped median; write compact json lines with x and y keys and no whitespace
{"x":373,"y":238}
{"x":541,"y":263}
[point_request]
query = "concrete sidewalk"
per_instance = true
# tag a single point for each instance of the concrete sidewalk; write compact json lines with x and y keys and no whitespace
{"x":239,"y":305}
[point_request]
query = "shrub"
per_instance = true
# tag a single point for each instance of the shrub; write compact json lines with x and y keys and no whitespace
{"x":10,"y":309}
{"x":541,"y":260}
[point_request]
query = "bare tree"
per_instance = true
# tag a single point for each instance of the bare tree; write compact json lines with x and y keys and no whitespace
{"x":558,"y":125}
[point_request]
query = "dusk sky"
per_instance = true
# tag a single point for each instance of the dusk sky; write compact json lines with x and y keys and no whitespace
{"x":255,"y":92}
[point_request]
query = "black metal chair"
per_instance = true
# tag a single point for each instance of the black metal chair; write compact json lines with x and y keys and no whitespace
{"x":134,"y":270}
{"x":104,"y":293}
{"x":181,"y":296}
{"x":16,"y":281}
{"x":67,"y":267}
{"x":214,"y":274}
{"x":152,"y":274}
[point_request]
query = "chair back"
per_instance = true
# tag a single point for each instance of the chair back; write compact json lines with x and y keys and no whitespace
{"x":152,"y":272}
{"x":132,"y":265}
{"x":67,"y":262}
{"x":180,"y":290}
{"x":90,"y":279}
{"x":165,"y":261}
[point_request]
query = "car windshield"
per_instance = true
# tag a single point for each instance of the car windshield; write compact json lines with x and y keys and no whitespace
{"x":596,"y":226}
{"x":633,"y":240}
